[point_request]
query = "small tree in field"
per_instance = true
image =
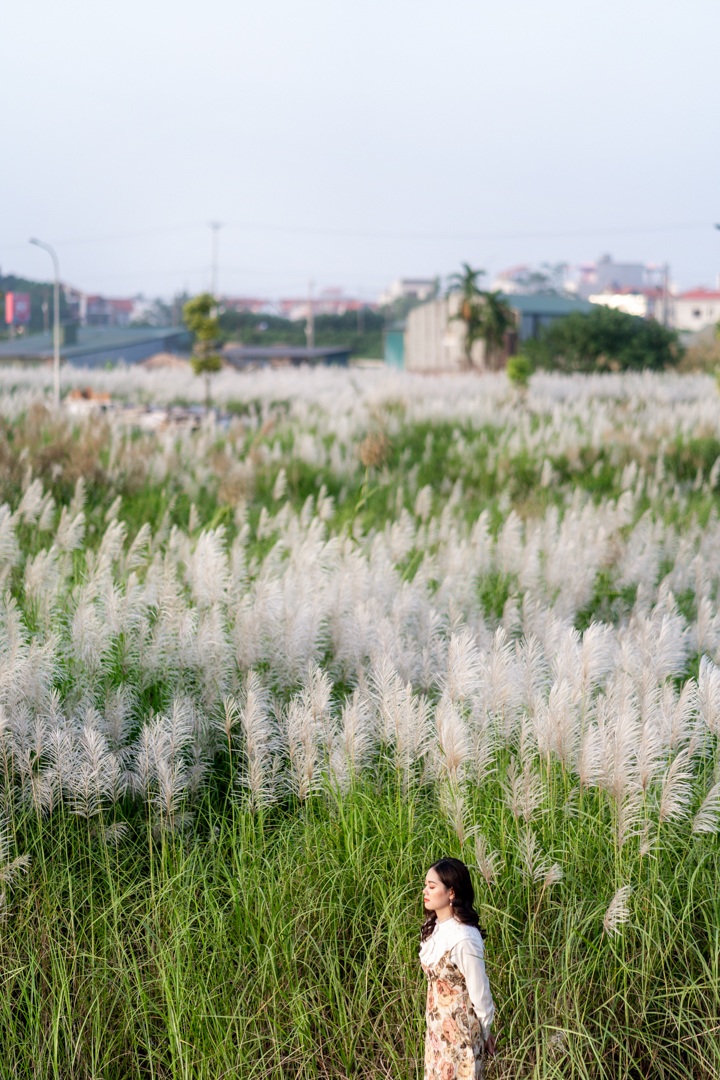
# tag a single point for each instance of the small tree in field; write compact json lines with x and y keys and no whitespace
{"x":199,"y":317}
{"x":468,"y":285}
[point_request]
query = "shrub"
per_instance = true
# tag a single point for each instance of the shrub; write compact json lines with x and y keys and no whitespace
{"x":605,"y":339}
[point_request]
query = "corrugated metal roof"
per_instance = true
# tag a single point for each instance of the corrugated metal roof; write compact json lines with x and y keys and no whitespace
{"x":546,"y":303}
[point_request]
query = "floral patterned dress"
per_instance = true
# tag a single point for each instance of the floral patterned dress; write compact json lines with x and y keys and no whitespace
{"x":454,"y":1044}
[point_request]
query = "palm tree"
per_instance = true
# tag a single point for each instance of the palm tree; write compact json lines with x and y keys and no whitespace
{"x":467,"y":284}
{"x":495,"y":319}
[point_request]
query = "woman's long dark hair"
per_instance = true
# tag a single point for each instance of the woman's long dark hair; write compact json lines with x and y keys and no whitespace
{"x":454,"y":875}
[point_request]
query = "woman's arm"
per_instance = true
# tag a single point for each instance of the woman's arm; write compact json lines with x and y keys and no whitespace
{"x":468,"y":955}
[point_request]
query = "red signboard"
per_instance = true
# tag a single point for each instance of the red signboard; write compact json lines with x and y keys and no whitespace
{"x":17,"y":308}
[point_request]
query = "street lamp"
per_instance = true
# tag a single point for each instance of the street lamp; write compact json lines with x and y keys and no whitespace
{"x":56,"y":319}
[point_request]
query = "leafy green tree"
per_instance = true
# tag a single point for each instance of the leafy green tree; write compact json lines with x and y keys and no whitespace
{"x":486,"y":315}
{"x":467,"y":284}
{"x":202,"y":322}
{"x":496,"y":318}
{"x":604,"y":339}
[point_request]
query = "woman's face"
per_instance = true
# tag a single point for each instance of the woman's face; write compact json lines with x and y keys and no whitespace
{"x":436,"y":896}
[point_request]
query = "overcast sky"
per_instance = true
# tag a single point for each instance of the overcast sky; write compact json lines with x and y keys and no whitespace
{"x":353,"y":143}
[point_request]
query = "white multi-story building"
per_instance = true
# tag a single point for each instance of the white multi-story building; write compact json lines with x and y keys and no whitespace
{"x":408,"y":288}
{"x":695,"y":309}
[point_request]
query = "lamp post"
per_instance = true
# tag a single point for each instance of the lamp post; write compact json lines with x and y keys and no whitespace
{"x":56,"y":319}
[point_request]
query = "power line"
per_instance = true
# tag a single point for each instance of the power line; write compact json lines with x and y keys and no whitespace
{"x":373,"y":234}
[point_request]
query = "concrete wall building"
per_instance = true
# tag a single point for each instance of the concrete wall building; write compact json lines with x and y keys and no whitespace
{"x":435,"y":339}
{"x":695,"y":309}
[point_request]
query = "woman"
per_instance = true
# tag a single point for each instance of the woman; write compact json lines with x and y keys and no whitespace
{"x":460,"y":1007}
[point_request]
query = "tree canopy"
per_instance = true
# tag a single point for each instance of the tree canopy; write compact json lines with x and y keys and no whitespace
{"x":604,"y":340}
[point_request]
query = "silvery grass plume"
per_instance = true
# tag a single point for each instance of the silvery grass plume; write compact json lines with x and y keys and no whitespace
{"x":352,"y":750}
{"x":454,"y":809}
{"x":9,"y":868}
{"x":501,"y":689}
{"x":96,"y":779}
{"x":160,"y":772}
{"x":451,"y":747}
{"x":676,"y":793}
{"x":308,"y":723}
{"x":487,"y":860}
{"x":707,"y":819}
{"x":534,"y":865}
{"x":404,"y":719}
{"x":709,"y":695}
{"x":523,"y":790}
{"x":261,"y":743}
{"x":557,"y":725}
{"x":618,"y":911}
{"x":464,"y":668}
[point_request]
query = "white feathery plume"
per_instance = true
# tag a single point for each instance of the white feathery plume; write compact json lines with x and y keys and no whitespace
{"x":709,"y":694}
{"x":261,"y":740}
{"x":523,"y":790}
{"x":9,"y":547}
{"x":486,"y":859}
{"x":557,"y":726}
{"x":707,"y":819}
{"x":10,"y":868}
{"x":590,"y":757}
{"x":77,"y":503}
{"x":677,"y":790}
{"x":353,"y":749}
{"x":70,"y":531}
{"x":46,"y":519}
{"x":301,"y":731}
{"x":482,"y":734}
{"x":30,"y":506}
{"x":208,"y":571}
{"x":117,"y":721}
{"x":96,"y":775}
{"x":464,"y":667}
{"x":139,"y":551}
{"x":533,"y":672}
{"x":453,"y":808}
{"x":453,"y":746}
{"x":677,"y":713}
{"x":114,"y":509}
{"x":618,"y":911}
{"x":280,"y":485}
{"x":534,"y":865}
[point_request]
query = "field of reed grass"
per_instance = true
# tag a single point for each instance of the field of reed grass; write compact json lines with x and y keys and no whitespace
{"x":255,"y":678}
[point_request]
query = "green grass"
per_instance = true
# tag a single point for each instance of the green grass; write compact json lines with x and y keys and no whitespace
{"x":283,"y":944}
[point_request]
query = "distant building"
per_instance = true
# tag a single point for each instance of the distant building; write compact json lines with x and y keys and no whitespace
{"x":615,"y":278}
{"x":435,"y":339}
{"x":104,"y":311}
{"x":646,"y":303}
{"x":98,"y":346}
{"x":254,"y":304}
{"x":242,"y":356}
{"x":695,"y":309}
{"x":408,"y":288}
{"x":327,"y":302}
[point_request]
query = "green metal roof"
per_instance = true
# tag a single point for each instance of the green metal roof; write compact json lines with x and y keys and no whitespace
{"x":546,"y":303}
{"x":91,"y":339}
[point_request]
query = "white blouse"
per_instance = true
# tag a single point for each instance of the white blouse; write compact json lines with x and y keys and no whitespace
{"x":467,"y":952}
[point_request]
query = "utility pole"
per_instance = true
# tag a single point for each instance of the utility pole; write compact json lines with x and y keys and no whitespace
{"x":215,"y":226}
{"x":56,"y":319}
{"x":666,"y":296}
{"x":310,"y":324}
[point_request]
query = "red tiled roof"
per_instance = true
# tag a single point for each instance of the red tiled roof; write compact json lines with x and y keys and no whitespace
{"x":700,"y":293}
